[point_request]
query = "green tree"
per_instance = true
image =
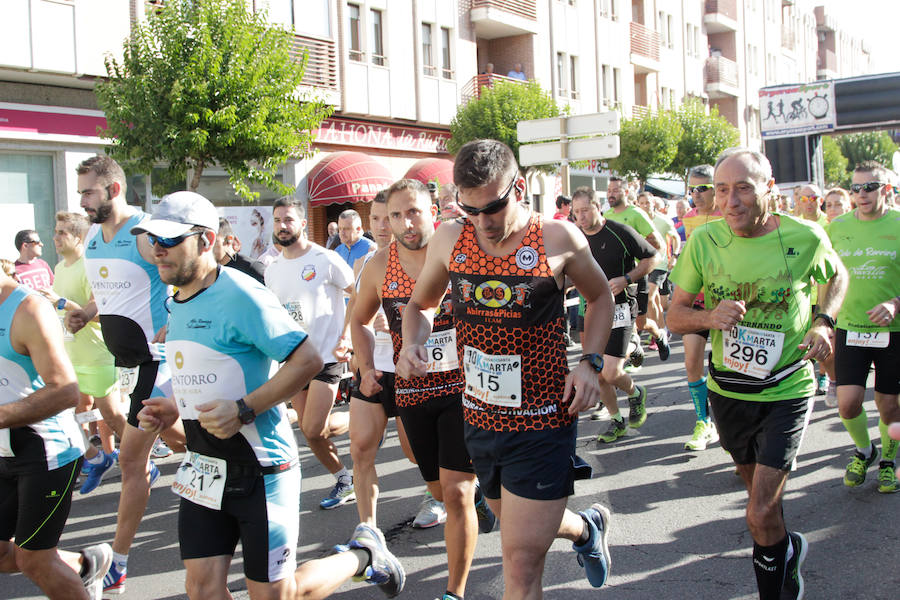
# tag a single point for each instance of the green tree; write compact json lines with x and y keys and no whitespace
{"x":208,"y":82}
{"x":836,"y":173}
{"x":871,"y":145}
{"x":705,"y":136}
{"x":647,"y":144}
{"x":497,"y":112}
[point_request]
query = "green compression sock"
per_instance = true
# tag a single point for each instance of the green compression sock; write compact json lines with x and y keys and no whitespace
{"x":858,"y":428}
{"x":888,"y":445}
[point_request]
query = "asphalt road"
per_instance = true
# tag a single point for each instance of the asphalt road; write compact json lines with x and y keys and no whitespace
{"x":677,"y":530}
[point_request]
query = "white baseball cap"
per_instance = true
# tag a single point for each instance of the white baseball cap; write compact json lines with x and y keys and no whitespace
{"x":178,"y":213}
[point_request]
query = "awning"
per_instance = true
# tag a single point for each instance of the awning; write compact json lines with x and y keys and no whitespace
{"x":432,"y":169}
{"x":346,"y":177}
{"x":669,"y":187}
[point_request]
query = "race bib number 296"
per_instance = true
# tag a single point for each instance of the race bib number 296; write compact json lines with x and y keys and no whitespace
{"x":751,"y":351}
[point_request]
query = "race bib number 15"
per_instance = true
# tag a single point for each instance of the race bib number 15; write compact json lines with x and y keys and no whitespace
{"x":493,"y":378}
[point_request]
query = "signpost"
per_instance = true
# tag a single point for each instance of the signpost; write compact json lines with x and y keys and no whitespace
{"x":566,"y":139}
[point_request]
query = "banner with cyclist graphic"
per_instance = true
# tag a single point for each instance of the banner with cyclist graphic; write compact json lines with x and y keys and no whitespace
{"x":790,"y":110}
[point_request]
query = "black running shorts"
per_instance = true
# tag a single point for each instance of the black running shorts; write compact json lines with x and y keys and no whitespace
{"x":434,"y":429}
{"x":852,"y":363}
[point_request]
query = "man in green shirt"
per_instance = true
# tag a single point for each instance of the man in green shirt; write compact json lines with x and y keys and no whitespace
{"x":756,"y":270}
{"x":622,"y":211}
{"x":868,"y":328}
{"x":809,"y":204}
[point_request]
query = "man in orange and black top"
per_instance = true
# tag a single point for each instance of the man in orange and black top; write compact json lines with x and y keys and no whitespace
{"x":507,"y":267}
{"x":429,"y":403}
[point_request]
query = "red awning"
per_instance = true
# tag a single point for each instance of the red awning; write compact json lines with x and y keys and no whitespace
{"x":431,"y":169}
{"x":346,"y":177}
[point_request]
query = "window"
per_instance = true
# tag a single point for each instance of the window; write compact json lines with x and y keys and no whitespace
{"x":689,"y":39}
{"x":560,"y":73}
{"x":604,"y":79}
{"x":376,"y":44}
{"x":446,"y":65}
{"x":661,"y":27}
{"x":616,"y":75}
{"x":427,"y":51}
{"x":604,"y":8}
{"x":573,"y":70}
{"x":356,"y":52}
{"x":669,"y":30}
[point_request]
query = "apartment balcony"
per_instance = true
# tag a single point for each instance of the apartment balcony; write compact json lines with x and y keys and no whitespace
{"x":639,"y":112}
{"x":826,"y":64}
{"x":824,"y":21}
{"x":788,"y":39}
{"x":720,"y":16}
{"x":321,"y":65}
{"x":503,"y":18}
{"x":644,"y":49}
{"x":472,"y":89}
{"x":721,"y":77}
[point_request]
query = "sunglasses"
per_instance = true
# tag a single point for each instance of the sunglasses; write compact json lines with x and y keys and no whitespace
{"x":869,"y":187}
{"x":809,"y":198}
{"x":35,"y":242}
{"x":165,"y":242}
{"x":490,"y":208}
{"x":700,"y":188}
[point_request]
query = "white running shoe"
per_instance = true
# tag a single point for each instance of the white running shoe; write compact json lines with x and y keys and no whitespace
{"x":431,"y":514}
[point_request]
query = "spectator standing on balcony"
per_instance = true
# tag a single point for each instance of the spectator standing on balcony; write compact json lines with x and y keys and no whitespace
{"x":489,"y":74}
{"x":517,"y":73}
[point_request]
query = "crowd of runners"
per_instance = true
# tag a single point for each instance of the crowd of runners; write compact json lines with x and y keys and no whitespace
{"x":452,"y":319}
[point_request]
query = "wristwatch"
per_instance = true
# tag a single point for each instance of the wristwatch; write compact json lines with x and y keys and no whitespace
{"x":594,"y":359}
{"x":628,"y":278}
{"x":827,"y":318}
{"x":245,"y":413}
{"x":61,"y":303}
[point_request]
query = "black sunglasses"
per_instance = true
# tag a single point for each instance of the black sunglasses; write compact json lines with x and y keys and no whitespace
{"x":166,"y":242}
{"x":869,"y":187}
{"x":38,"y":242}
{"x":700,"y":188}
{"x":490,"y":208}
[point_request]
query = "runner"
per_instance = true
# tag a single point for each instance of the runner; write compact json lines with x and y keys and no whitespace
{"x":506,"y":267}
{"x":868,"y":328}
{"x":40,"y":450}
{"x":622,"y":211}
{"x":129,"y":297}
{"x":624,"y":256}
{"x":664,"y":260}
{"x":700,"y":184}
{"x":430,"y":405}
{"x":240,"y":479}
{"x":756,"y":268}
{"x":310,"y":282}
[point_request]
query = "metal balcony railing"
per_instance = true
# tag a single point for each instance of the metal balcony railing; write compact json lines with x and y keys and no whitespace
{"x":644,"y":42}
{"x":726,"y":8}
{"x":527,"y":9}
{"x":321,"y":67}
{"x":472,"y":89}
{"x":719,"y":69}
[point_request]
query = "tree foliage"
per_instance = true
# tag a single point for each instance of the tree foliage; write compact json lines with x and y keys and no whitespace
{"x":647,"y":144}
{"x":871,"y":145}
{"x":208,"y":82}
{"x":704,"y":137}
{"x":836,"y":173}
{"x":497,"y":112}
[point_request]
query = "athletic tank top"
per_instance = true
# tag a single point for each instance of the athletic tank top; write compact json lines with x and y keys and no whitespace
{"x":383,"y":352}
{"x":444,"y":377}
{"x":129,"y":293}
{"x":43,"y":446}
{"x":509,"y":324}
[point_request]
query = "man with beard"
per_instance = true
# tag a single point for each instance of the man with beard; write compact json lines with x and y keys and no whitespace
{"x":240,"y":479}
{"x":129,"y":298}
{"x":310,"y":282}
{"x":506,"y":268}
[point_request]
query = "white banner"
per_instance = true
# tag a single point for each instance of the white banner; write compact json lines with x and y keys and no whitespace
{"x":253,"y":227}
{"x":790,"y":110}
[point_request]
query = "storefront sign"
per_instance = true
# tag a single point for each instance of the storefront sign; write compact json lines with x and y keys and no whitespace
{"x":790,"y":110}
{"x":360,"y":134}
{"x":50,"y":120}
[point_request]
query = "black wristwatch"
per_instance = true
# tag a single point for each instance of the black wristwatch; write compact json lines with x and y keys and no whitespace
{"x":245,"y":413}
{"x":827,"y":318}
{"x":594,"y":359}
{"x":628,"y":278}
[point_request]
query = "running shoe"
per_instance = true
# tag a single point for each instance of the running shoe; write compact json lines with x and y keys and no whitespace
{"x":160,"y":450}
{"x":599,"y":414}
{"x":384,"y":570}
{"x":859,"y":464}
{"x":97,"y":558}
{"x":635,"y":356}
{"x":887,"y":478}
{"x":792,"y":589}
{"x":831,"y":395}
{"x":616,"y":430}
{"x":705,"y":433}
{"x":96,"y":473}
{"x":662,"y":346}
{"x":593,"y":555}
{"x":652,"y":345}
{"x":431,"y":513}
{"x":486,"y":517}
{"x":114,"y":581}
{"x":341,"y":493}
{"x":821,"y":385}
{"x":154,"y":473}
{"x":94,"y":440}
{"x":637,"y":407}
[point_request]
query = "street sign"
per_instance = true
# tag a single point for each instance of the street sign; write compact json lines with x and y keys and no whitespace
{"x":573,"y":150}
{"x":574,"y":126}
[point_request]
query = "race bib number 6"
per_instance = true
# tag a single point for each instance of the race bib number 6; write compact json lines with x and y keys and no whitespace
{"x":868,"y":339}
{"x":201,"y":479}
{"x":493,"y":378}
{"x":753,"y":352}
{"x":441,"y":349}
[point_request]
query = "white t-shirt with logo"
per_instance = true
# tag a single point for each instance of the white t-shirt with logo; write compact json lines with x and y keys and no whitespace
{"x":311,"y":288}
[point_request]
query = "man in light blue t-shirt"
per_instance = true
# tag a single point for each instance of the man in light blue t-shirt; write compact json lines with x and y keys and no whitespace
{"x":353,"y":244}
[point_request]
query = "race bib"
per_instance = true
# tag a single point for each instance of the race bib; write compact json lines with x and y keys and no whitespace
{"x":128,"y":377}
{"x":494,"y":378}
{"x":753,"y":352}
{"x":201,"y":479}
{"x":296,"y":313}
{"x":868,"y":339}
{"x":622,"y":316}
{"x":441,"y":349}
{"x":68,"y":336}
